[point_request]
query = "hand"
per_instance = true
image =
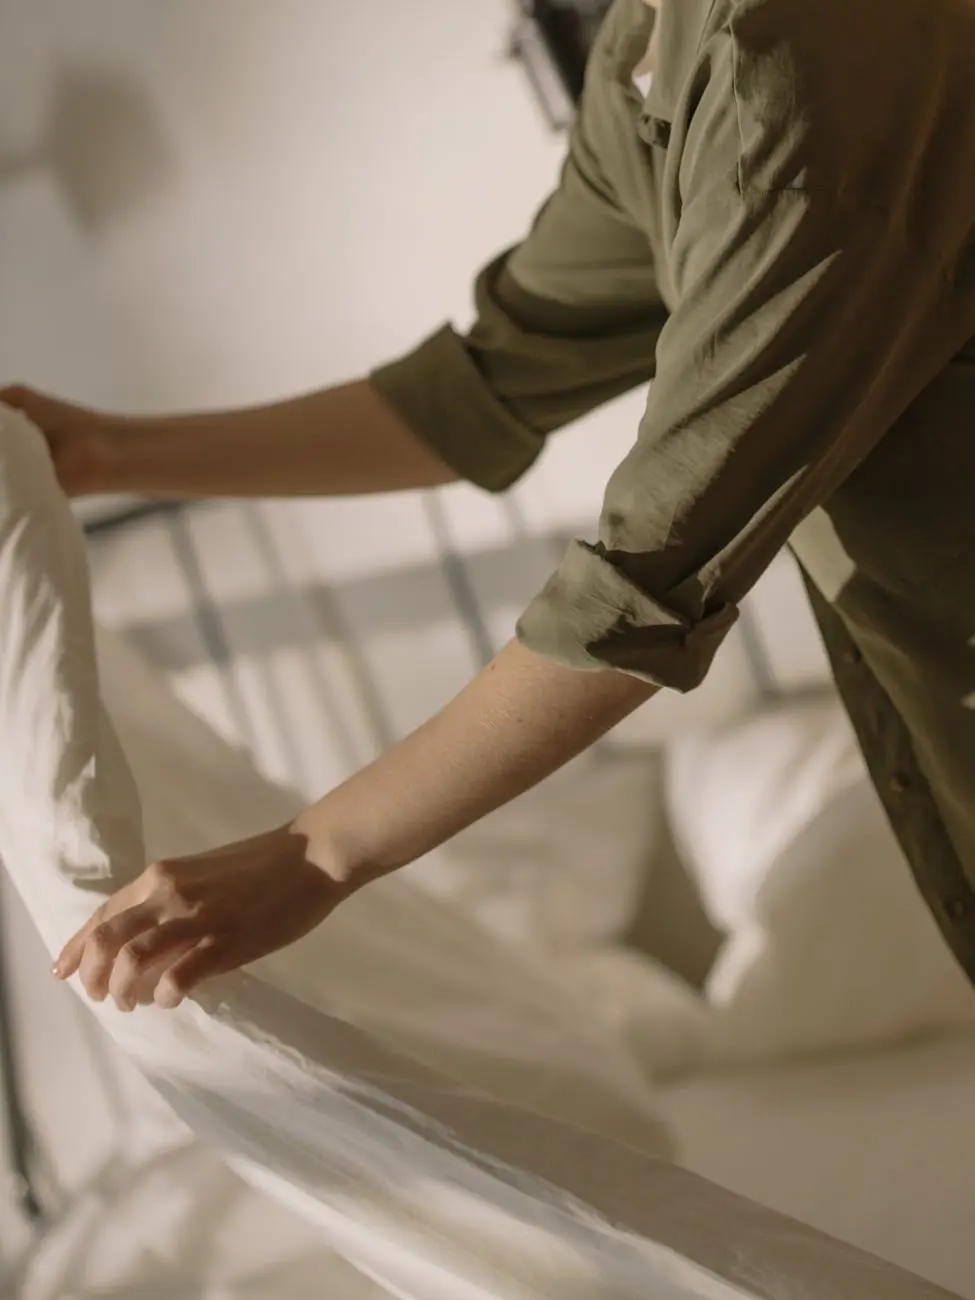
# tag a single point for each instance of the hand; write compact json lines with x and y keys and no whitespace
{"x":82,"y":442}
{"x":185,"y":921}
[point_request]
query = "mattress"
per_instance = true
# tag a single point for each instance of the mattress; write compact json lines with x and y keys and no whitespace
{"x":876,"y":1149}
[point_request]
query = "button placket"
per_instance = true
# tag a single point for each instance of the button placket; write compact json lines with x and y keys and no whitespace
{"x":958,"y":907}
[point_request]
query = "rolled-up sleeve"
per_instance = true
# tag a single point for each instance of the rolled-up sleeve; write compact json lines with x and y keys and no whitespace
{"x":566,"y":321}
{"x":807,"y":323}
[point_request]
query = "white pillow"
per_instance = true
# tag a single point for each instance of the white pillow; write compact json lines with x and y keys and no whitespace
{"x":565,"y":866}
{"x":829,"y":942}
{"x":421,"y":1092}
{"x":663,"y":1020}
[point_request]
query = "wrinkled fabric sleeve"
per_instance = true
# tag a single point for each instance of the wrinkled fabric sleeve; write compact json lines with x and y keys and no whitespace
{"x":806,"y":324}
{"x":565,"y":322}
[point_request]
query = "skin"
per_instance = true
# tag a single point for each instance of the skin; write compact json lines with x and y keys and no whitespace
{"x":519,"y":720}
{"x":185,"y":921}
{"x":650,"y":58}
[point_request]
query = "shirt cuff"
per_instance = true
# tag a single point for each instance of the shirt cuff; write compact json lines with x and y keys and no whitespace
{"x":591,"y":616}
{"x":441,"y":395}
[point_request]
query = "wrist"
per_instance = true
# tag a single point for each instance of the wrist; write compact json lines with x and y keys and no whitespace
{"x":113,"y":457}
{"x":327,"y":848}
{"x":140,"y":456}
{"x":107,"y":472}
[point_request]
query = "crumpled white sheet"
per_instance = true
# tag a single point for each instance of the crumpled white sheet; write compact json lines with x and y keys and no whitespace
{"x":175,"y":1223}
{"x":433,"y":1187}
{"x":392,"y":961}
{"x":563,"y":867}
{"x":425,"y":1096}
{"x":562,"y":872}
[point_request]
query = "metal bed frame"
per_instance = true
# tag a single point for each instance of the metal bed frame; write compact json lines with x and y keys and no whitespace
{"x":26,"y":1179}
{"x":548,"y":38}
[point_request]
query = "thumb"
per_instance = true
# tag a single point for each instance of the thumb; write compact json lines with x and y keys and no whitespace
{"x":69,"y":958}
{"x":16,"y":395}
{"x":48,"y":412}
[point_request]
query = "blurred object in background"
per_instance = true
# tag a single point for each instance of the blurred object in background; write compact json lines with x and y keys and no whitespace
{"x":552,"y":39}
{"x":102,"y":145}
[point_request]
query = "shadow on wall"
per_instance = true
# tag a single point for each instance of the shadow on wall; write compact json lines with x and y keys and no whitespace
{"x":102,"y":145}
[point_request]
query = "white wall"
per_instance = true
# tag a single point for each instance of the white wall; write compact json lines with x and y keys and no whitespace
{"x":324,"y":179}
{"x":220,"y":201}
{"x":233,"y":199}
{"x":289,"y":193}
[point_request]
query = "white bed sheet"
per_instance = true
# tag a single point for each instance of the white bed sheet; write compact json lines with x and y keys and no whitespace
{"x":876,"y":1149}
{"x":429,"y":1183}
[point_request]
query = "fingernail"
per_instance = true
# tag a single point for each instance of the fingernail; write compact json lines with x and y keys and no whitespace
{"x":56,"y":970}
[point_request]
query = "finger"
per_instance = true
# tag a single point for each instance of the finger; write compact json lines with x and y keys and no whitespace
{"x":34,"y":405}
{"x":69,"y":959}
{"x":71,"y":955}
{"x":127,"y":900}
{"x":104,"y":944}
{"x":208,"y":959}
{"x":141,"y":960}
{"x":44,"y":410}
{"x":15,"y":395}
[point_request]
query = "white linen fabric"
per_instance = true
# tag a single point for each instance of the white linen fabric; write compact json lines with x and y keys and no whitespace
{"x":429,"y":1097}
{"x":829,"y":943}
{"x":561,"y":872}
{"x":875,"y":1147}
{"x":564,"y":866}
{"x":174,"y":1223}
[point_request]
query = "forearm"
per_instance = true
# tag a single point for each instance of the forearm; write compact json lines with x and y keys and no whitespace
{"x":521,"y":719}
{"x":338,"y":441}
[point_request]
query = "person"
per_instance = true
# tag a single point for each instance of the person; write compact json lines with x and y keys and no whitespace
{"x":778,"y":230}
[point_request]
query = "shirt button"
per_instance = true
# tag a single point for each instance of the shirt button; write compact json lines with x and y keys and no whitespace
{"x":655,"y":131}
{"x":898,"y":785}
{"x":958,"y":907}
{"x":852,"y":656}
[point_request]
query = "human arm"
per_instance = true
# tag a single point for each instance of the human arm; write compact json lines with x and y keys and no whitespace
{"x":517,"y":722}
{"x":180,"y":923}
{"x":337,"y":441}
{"x":564,"y":322}
{"x":807,"y":323}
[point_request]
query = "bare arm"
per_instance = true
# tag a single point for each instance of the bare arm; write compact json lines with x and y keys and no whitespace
{"x":183,"y":922}
{"x":337,"y":441}
{"x":518,"y":721}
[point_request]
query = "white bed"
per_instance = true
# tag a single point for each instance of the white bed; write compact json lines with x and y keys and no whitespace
{"x":876,"y":1148}
{"x":874,"y":1145}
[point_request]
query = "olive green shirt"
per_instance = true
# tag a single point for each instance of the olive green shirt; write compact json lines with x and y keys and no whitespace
{"x":782,"y":237}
